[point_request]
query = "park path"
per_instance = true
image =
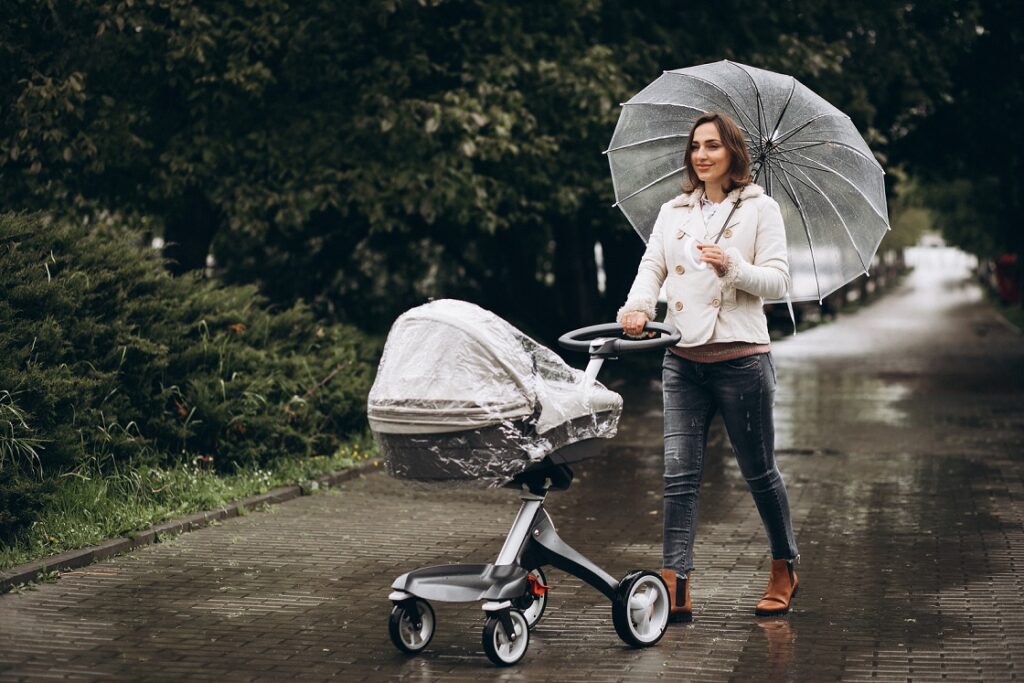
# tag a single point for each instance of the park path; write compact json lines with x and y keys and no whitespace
{"x":900,"y":432}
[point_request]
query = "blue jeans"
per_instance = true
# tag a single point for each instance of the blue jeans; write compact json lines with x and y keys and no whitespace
{"x":743,"y":390}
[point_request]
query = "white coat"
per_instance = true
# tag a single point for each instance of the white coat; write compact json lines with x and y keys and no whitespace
{"x":705,"y":307}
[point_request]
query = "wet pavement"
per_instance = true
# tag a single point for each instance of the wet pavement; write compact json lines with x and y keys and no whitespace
{"x":900,"y":432}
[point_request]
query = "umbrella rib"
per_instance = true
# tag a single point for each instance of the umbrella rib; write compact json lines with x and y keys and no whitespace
{"x":662,"y":104}
{"x":807,"y":231}
{"x":809,"y":183}
{"x":792,"y":89}
{"x":644,"y":142}
{"x":649,"y":185}
{"x":818,"y":143}
{"x":719,"y":89}
{"x":793,"y":131}
{"x":826,"y":169}
{"x":761,"y":121}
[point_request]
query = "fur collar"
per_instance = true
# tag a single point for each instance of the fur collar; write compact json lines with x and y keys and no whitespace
{"x":691,"y":198}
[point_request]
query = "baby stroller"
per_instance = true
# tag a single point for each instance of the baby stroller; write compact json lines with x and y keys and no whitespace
{"x":461,"y":395}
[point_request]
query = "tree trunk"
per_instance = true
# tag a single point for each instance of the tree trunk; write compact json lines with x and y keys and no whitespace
{"x":515,"y":290}
{"x":575,"y":277}
{"x":188,"y":232}
{"x":622,"y":253}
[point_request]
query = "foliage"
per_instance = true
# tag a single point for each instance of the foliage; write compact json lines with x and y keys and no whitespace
{"x":366,"y":156}
{"x":104,"y":357}
{"x":970,"y":151}
{"x":1013,"y":314}
{"x":910,"y":213}
{"x":98,"y":503}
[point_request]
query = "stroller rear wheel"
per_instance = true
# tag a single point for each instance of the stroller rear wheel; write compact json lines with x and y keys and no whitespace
{"x":534,"y":603}
{"x":641,"y":608}
{"x":500,"y":646}
{"x":411,"y":625}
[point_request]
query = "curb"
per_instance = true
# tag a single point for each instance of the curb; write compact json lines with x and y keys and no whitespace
{"x":80,"y":557}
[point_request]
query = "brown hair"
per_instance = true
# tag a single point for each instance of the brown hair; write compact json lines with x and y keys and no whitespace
{"x":733,"y":141}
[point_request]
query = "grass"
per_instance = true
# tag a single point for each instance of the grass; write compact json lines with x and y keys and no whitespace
{"x":1013,"y":313}
{"x":97,"y":503}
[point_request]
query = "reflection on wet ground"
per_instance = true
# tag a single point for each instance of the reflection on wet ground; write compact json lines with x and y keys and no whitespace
{"x":900,"y":432}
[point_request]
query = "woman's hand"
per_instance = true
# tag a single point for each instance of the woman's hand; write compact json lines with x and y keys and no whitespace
{"x":713,"y":255}
{"x":633,"y":323}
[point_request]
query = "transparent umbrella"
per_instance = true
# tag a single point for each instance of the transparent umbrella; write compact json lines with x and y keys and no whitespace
{"x":806,"y":154}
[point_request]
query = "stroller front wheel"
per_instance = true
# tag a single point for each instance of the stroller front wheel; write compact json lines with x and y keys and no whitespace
{"x":501,"y":648}
{"x":640,"y":610}
{"x":411,"y":625}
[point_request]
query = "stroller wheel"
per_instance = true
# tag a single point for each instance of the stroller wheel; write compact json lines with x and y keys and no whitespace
{"x":533,"y":605}
{"x":499,"y":646}
{"x":640,"y":610}
{"x":411,"y":625}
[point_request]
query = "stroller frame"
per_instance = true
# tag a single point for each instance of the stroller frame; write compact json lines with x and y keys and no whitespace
{"x":513,"y":588}
{"x":531,"y":543}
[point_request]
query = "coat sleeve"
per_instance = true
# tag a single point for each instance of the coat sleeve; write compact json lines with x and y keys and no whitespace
{"x":643,"y":295}
{"x":768,"y":276}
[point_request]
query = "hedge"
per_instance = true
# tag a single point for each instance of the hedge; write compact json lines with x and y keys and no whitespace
{"x":107,"y":361}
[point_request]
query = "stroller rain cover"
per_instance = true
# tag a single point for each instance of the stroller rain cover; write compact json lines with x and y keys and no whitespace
{"x":462,"y":395}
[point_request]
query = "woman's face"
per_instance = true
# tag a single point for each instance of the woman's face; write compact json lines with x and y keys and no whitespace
{"x":708,"y":156}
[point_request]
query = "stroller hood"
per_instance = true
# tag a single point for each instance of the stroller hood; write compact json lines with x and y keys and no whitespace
{"x":452,"y":367}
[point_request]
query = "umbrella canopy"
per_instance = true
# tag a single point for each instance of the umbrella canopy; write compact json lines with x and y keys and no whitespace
{"x":806,"y":154}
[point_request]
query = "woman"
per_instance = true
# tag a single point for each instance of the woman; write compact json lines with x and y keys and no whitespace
{"x":723,"y":362}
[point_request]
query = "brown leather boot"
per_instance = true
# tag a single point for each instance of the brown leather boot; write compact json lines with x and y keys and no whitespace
{"x":782,"y":587}
{"x":678,"y":596}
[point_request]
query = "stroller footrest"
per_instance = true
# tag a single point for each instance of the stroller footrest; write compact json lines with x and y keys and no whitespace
{"x":465,"y":582}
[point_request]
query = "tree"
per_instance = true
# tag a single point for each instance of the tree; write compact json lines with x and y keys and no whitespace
{"x":970,"y":150}
{"x":107,"y":362}
{"x":367,"y":156}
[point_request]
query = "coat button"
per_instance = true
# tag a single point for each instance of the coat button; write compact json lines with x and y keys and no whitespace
{"x":728,"y":233}
{"x":679,"y":234}
{"x":680,"y":270}
{"x":716,"y":303}
{"x":679,"y":305}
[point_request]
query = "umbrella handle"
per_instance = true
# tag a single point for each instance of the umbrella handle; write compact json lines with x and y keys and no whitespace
{"x":691,"y":254}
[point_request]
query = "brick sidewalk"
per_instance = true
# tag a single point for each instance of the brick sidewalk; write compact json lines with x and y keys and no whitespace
{"x":900,"y":433}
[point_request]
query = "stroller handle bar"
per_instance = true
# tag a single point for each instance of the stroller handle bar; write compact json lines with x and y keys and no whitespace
{"x":595,"y":341}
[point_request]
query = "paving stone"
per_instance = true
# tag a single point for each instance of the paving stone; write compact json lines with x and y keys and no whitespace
{"x":900,"y":432}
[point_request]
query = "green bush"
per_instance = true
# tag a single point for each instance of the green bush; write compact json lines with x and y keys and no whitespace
{"x":108,"y":362}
